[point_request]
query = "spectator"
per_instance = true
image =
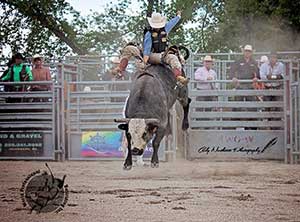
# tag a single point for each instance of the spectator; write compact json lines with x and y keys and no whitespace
{"x":108,"y":76}
{"x":245,"y":68}
{"x":19,"y":72}
{"x":260,"y":85}
{"x":11,"y":62}
{"x":117,"y":87}
{"x":40,"y":73}
{"x":274,"y":70}
{"x":264,"y":59}
{"x":205,"y":73}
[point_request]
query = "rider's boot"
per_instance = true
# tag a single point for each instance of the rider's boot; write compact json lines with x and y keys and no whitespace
{"x":119,"y":71}
{"x":180,"y":79}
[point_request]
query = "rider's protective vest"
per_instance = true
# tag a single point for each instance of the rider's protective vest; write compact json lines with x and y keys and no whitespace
{"x":159,"y":40}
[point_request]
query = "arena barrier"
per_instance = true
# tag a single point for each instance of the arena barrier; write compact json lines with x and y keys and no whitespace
{"x":28,"y":122}
{"x":236,"y":123}
{"x":227,"y":122}
{"x":293,"y":119}
{"x":80,"y":112}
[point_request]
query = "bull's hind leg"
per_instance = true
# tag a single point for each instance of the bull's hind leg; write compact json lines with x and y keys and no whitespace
{"x":185,"y":102}
{"x":156,"y":142}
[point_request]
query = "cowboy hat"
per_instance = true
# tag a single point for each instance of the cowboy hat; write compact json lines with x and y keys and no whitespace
{"x":248,"y":48}
{"x":207,"y":58}
{"x":36,"y":56}
{"x":264,"y":59}
{"x":157,"y":21}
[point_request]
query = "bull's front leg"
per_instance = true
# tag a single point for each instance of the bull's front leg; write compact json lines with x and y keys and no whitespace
{"x":128,"y":161}
{"x":155,"y":144}
{"x":185,"y":121}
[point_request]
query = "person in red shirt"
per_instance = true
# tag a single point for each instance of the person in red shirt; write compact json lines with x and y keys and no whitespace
{"x":40,"y":73}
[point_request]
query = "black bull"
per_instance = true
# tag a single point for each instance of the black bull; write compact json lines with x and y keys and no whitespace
{"x":153,"y":93}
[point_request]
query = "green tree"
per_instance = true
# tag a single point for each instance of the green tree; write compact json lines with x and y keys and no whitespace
{"x":56,"y":28}
{"x":268,"y":25}
{"x":36,"y":25}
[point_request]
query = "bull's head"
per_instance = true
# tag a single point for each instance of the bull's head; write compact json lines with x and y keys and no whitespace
{"x":139,"y":132}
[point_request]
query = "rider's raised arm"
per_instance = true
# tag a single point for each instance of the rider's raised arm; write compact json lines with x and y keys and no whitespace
{"x":147,"y":45}
{"x":170,"y":25}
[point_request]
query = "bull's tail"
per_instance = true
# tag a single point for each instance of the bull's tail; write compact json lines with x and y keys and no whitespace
{"x":169,"y":129}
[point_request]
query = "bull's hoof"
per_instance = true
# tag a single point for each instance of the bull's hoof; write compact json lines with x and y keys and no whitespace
{"x":154,"y":165}
{"x":185,"y":125}
{"x":127,"y":167}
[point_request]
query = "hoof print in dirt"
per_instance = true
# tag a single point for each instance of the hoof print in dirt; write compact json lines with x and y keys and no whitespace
{"x":179,"y":208}
{"x":243,"y":197}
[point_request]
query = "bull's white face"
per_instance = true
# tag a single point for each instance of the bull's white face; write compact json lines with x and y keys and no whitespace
{"x":140,"y":134}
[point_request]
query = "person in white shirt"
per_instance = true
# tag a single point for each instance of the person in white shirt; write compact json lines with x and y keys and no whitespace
{"x":263,"y":59}
{"x":206,"y":73}
{"x":273,"y":70}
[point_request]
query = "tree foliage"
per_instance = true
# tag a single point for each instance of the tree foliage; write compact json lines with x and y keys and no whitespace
{"x":268,"y":25}
{"x":36,"y":25}
{"x":54,"y":27}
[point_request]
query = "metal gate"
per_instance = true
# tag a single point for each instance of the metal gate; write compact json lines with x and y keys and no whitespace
{"x":231,"y":123}
{"x":28,"y":122}
{"x":293,"y":116}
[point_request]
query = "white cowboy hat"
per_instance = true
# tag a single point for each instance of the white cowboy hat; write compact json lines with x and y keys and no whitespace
{"x":248,"y":47}
{"x":157,"y":21}
{"x":264,"y":59}
{"x":207,"y":58}
{"x":37,"y":56}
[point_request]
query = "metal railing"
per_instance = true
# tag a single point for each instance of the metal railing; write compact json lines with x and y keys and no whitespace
{"x":92,"y":107}
{"x":236,"y":108}
{"x":293,"y":115}
{"x":22,"y":110}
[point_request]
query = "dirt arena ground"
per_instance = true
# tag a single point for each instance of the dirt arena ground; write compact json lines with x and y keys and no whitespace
{"x":199,"y":190}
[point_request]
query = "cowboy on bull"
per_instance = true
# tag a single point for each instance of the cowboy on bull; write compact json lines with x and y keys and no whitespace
{"x":155,"y":48}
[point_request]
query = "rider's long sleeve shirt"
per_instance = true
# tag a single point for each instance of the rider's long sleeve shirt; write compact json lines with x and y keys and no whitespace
{"x":148,"y":40}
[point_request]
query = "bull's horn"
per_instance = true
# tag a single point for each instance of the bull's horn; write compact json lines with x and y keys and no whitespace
{"x":153,"y":120}
{"x":122,"y":120}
